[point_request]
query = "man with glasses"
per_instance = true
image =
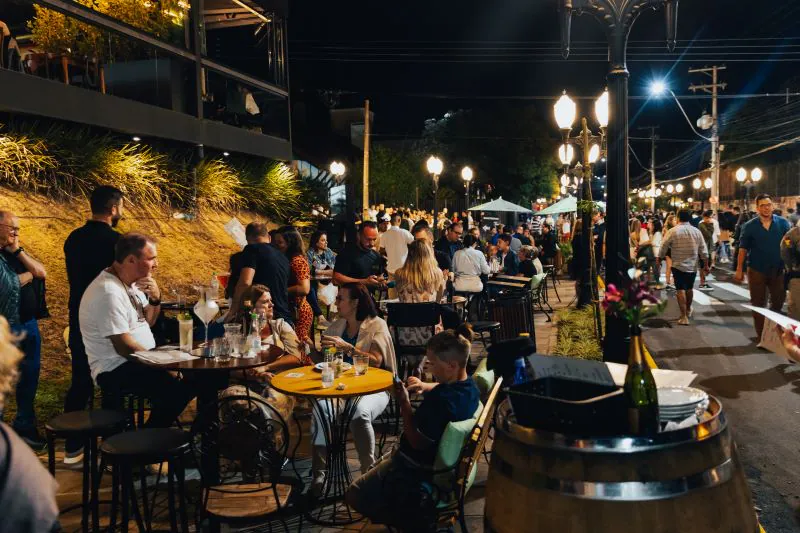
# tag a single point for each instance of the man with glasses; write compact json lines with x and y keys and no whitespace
{"x":22,"y":302}
{"x":450,"y":242}
{"x":115,"y":315}
{"x":760,"y":245}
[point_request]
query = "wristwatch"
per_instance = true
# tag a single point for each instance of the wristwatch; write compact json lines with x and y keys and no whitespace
{"x":154,"y":302}
{"x":19,"y":251}
{"x":351,"y":351}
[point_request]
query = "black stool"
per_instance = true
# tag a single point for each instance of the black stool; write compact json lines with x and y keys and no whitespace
{"x":139,"y":448}
{"x":481,"y":327}
{"x":86,"y":426}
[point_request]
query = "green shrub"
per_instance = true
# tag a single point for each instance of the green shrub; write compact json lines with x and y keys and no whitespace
{"x":576,"y":334}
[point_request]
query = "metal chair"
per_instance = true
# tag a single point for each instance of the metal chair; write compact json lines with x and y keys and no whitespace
{"x":411,"y":315}
{"x":550,"y":270}
{"x":241,"y":444}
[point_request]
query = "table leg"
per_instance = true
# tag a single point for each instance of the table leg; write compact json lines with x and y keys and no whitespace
{"x":334,"y":417}
{"x":207,"y":399}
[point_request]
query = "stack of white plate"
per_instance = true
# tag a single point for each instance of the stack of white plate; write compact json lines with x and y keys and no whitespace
{"x":679,"y":403}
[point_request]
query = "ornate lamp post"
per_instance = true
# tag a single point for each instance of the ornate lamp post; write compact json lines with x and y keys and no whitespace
{"x":748,"y":181}
{"x":617,"y":16}
{"x":592,"y":147}
{"x":466,"y":175}
{"x":435,"y":167}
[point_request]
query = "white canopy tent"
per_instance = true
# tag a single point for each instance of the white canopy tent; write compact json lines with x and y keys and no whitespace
{"x":567,"y":205}
{"x":501,"y":206}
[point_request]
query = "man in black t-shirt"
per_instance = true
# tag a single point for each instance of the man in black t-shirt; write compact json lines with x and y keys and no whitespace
{"x":87,"y":251}
{"x":360,"y":262}
{"x":264,"y":264}
{"x":454,"y":397}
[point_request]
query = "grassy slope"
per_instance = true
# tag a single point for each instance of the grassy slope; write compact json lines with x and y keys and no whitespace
{"x":188,"y":252}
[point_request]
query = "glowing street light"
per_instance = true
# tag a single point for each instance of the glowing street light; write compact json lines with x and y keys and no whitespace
{"x":679,"y":188}
{"x":670,"y":189}
{"x":435,"y":167}
{"x":708,"y":182}
{"x":566,"y":153}
{"x":601,"y":109}
{"x":466,"y":175}
{"x":594,"y":153}
{"x":565,"y":111}
{"x":696,"y":184}
{"x":338,"y":170}
{"x":658,"y":87}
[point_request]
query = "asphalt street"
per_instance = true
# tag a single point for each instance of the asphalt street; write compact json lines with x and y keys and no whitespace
{"x":759,"y":390}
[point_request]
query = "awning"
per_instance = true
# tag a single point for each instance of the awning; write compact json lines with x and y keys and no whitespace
{"x":567,"y":205}
{"x":500,"y":205}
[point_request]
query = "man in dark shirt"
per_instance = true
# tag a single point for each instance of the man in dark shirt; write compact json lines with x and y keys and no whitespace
{"x":360,"y":262}
{"x":509,"y":261}
{"x":599,"y":236}
{"x":235,"y":261}
{"x":87,"y":251}
{"x":424,"y":233}
{"x":450,"y":242}
{"x":520,"y":234}
{"x":548,"y":244}
{"x":454,"y":397}
{"x":264,"y":264}
{"x":760,"y":245}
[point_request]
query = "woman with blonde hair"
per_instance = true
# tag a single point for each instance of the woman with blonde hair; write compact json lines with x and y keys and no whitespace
{"x":27,"y":490}
{"x":419,"y":280}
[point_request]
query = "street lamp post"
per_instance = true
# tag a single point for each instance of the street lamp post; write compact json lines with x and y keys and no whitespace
{"x":466,"y":175}
{"x":435,"y":167}
{"x":565,"y":112}
{"x":617,"y":16}
{"x":748,"y":180}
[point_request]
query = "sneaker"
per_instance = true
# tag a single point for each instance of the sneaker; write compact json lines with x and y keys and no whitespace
{"x":323,"y":322}
{"x":683,"y":321}
{"x":670,"y":286}
{"x":690,"y":312}
{"x":32,"y":438}
{"x":318,"y":484}
{"x":705,"y":287}
{"x":73,"y":457}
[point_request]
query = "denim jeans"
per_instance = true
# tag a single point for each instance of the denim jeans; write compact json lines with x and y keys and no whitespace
{"x":313,"y":301}
{"x":31,"y":346}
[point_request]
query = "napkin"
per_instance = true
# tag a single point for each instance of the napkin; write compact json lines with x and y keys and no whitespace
{"x":664,"y":378}
{"x":164,"y":357}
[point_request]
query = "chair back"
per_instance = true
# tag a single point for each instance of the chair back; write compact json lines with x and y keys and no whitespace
{"x":515,"y":314}
{"x":411,"y":315}
{"x":246,"y":434}
{"x":477,"y":441}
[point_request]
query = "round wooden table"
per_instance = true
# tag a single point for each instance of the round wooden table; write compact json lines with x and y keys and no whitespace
{"x":333,"y":410}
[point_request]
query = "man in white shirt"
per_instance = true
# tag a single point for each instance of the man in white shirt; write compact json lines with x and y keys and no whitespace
{"x":116,"y":313}
{"x":395,"y":242}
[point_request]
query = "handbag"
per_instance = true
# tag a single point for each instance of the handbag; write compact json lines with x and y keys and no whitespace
{"x":327,"y":294}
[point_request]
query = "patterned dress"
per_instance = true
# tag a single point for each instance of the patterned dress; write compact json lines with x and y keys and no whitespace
{"x":303,"y":315}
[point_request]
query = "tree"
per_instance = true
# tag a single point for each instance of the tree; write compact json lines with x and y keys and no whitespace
{"x":506,"y":145}
{"x":394,"y":175}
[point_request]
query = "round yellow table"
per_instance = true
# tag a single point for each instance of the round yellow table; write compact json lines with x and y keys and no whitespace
{"x":333,"y":411}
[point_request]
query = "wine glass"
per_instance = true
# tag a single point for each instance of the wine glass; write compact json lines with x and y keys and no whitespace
{"x":206,"y":309}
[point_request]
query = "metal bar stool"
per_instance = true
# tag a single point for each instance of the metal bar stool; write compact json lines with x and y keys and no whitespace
{"x":86,"y":426}
{"x":144,"y":447}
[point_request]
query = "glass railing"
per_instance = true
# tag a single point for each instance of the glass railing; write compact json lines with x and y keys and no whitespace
{"x":147,"y":59}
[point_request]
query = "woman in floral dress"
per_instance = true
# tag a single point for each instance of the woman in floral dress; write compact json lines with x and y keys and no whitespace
{"x":288,"y":240}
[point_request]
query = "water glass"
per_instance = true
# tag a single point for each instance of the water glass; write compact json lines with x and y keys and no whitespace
{"x":327,"y":376}
{"x":221,"y":350}
{"x":185,"y":330}
{"x":235,"y":344}
{"x":232,"y":329}
{"x":361,"y":364}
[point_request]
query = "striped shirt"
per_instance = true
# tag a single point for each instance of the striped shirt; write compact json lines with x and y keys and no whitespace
{"x":685,"y":244}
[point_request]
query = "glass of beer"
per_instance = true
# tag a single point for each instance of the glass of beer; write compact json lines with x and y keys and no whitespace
{"x":185,"y":330}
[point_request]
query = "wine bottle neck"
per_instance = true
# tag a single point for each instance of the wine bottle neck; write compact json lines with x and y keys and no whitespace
{"x":636,"y":354}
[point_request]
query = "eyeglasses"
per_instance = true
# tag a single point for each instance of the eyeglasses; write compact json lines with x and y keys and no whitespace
{"x":765,"y":205}
{"x":14,"y":229}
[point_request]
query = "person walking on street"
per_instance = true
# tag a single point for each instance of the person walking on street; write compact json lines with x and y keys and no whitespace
{"x":760,"y":245}
{"x":685,"y":244}
{"x":707,"y":228}
{"x":395,"y":242}
{"x":30,"y":306}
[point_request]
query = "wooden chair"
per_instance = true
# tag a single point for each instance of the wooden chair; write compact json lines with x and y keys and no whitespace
{"x":443,"y":491}
{"x":241,"y":443}
{"x":411,"y":315}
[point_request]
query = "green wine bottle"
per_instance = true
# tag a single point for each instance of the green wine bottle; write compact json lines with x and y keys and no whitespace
{"x":640,"y":390}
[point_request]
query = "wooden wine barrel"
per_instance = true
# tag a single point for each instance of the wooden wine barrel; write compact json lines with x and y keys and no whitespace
{"x":689,"y":480}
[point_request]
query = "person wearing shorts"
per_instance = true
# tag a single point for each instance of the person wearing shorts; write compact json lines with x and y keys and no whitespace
{"x":686,"y":246}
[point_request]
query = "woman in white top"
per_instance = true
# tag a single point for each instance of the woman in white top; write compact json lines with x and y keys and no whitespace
{"x":359,"y":330}
{"x":468,"y":265}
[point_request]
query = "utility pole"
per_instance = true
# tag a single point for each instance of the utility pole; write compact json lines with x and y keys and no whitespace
{"x":365,"y":185}
{"x":711,"y":88}
{"x":653,"y":139}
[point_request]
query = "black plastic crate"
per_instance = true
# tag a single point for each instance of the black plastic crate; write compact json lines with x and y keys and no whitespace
{"x":568,"y":406}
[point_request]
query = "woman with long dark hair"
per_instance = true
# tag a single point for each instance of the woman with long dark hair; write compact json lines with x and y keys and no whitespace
{"x":289,"y":241}
{"x":321,"y":259}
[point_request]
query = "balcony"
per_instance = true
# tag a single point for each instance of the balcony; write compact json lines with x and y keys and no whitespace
{"x":205,"y":72}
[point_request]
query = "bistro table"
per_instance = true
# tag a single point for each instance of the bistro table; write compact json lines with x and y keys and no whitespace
{"x":212,"y":376}
{"x":334,"y":410}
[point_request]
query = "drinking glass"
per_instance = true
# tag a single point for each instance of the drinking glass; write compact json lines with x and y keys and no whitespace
{"x":185,"y":329}
{"x":327,"y":376}
{"x":222,"y":350}
{"x":206,"y":309}
{"x":232,"y":329}
{"x":361,"y":364}
{"x":235,"y":344}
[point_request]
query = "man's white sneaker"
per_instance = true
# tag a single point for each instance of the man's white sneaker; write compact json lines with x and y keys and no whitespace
{"x":73,"y":458}
{"x":683,"y":321}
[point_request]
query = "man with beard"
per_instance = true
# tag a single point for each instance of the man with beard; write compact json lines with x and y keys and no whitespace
{"x":87,"y":251}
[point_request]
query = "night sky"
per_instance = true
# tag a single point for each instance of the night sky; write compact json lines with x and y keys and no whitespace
{"x":418,"y":60}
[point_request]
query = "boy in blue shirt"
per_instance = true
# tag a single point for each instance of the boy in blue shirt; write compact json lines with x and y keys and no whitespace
{"x":452,"y":398}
